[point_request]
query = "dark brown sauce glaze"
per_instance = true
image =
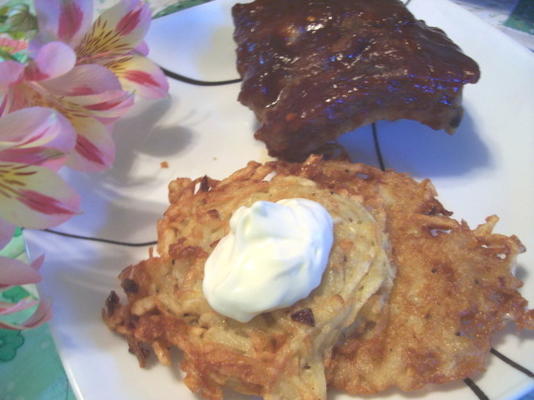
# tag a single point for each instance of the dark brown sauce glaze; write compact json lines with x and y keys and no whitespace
{"x":314,"y":69}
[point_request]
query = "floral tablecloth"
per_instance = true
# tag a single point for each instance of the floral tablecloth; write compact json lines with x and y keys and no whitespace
{"x":30,"y":368}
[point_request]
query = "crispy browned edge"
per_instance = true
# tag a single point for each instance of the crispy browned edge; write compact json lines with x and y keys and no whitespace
{"x":414,"y":218}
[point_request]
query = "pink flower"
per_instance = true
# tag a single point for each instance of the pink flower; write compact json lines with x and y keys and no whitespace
{"x":89,"y":96}
{"x":58,"y":109}
{"x":15,"y":272}
{"x":34,"y":143}
{"x":114,"y":40}
{"x":86,"y":71}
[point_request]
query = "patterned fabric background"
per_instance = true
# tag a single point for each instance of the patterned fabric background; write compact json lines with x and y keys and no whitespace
{"x":513,"y":17}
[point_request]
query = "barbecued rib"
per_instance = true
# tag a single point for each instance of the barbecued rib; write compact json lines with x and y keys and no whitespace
{"x":314,"y":69}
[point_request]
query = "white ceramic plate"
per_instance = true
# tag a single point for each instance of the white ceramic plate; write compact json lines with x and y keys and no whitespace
{"x":485,"y":168}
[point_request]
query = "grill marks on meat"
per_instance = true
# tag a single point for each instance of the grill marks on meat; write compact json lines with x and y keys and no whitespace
{"x":314,"y":69}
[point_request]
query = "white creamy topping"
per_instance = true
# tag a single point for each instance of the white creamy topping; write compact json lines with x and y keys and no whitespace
{"x":274,"y":255}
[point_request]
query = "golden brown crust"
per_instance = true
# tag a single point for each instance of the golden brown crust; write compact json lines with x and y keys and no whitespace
{"x":453,"y":289}
{"x":279,"y":354}
{"x":452,"y":292}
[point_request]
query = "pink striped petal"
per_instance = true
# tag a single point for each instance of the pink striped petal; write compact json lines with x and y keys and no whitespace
{"x":65,"y":20}
{"x":38,"y":262}
{"x":52,"y":60}
{"x":117,"y":31}
{"x":83,"y":80}
{"x":47,"y":205}
{"x":36,"y":136}
{"x":40,"y":316}
{"x":140,"y":75}
{"x":8,"y":308}
{"x":16,"y":272}
{"x":95,"y":149}
{"x":35,"y":197}
{"x":6,"y":232}
{"x":106,"y":107}
{"x":15,"y":99}
{"x":36,"y":127}
{"x":43,"y":156}
{"x":89,"y":91}
{"x":10,"y":73}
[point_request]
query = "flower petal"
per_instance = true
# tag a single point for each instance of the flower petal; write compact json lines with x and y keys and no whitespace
{"x":95,"y":149}
{"x":83,"y":80}
{"x":106,"y":107}
{"x":40,"y":155}
{"x":40,"y":316}
{"x":52,"y":60}
{"x":38,"y":262}
{"x":66,"y":20}
{"x":37,"y":136}
{"x":10,"y":73}
{"x":8,"y":308}
{"x":140,"y":75}
{"x":89,"y":90}
{"x":142,"y":49}
{"x":86,"y":91}
{"x":35,"y":197}
{"x":34,"y":127}
{"x":15,"y":272}
{"x":117,"y":31}
{"x":6,"y":232}
{"x":20,"y":96}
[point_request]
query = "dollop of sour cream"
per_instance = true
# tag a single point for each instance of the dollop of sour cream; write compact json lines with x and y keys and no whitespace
{"x":274,"y":255}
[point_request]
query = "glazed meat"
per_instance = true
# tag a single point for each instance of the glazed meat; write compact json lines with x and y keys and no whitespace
{"x":314,"y":69}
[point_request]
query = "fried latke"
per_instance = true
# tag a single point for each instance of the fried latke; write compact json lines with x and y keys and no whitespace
{"x":279,"y":354}
{"x":453,"y":290}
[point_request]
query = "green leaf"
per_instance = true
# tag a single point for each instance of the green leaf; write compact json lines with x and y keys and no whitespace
{"x":17,"y":20}
{"x":180,"y":5}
